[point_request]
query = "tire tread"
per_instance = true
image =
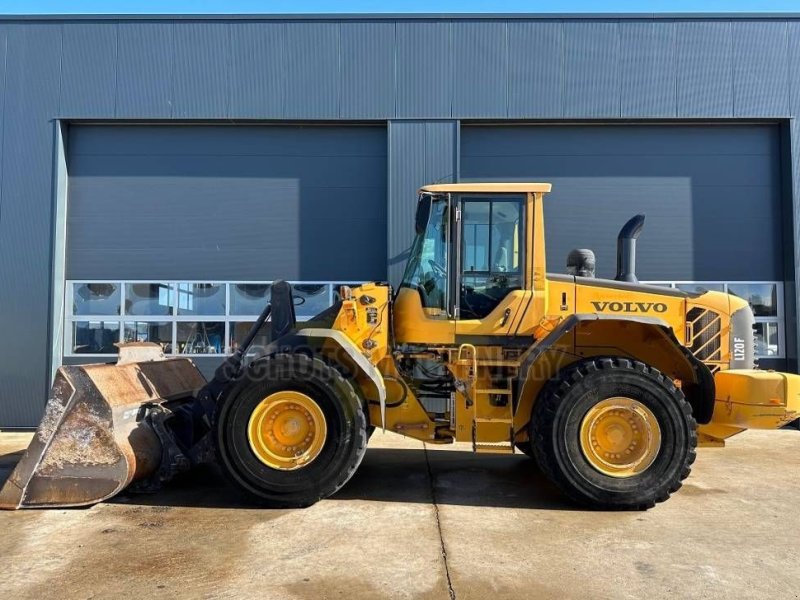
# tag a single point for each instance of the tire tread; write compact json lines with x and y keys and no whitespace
{"x":545,"y":412}
{"x":304,"y":364}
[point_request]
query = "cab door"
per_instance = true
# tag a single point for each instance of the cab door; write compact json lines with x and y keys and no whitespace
{"x":491,"y":287}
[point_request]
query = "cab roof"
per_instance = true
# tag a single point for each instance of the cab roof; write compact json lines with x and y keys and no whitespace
{"x":486,"y":188}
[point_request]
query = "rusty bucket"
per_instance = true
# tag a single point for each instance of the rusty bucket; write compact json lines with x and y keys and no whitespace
{"x":94,"y":439}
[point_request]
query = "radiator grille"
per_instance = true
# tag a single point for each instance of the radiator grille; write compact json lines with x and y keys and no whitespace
{"x":703,"y":336}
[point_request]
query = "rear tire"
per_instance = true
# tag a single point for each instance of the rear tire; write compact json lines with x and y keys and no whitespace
{"x":558,"y":430}
{"x":345,"y":427}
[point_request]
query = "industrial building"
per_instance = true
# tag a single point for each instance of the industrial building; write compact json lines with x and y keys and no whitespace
{"x":157,"y":173}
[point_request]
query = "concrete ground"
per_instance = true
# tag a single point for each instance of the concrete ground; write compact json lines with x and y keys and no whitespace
{"x":419,"y":522}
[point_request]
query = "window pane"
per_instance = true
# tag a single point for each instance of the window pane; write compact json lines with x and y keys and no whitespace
{"x":159,"y":332}
{"x":700,"y":287}
{"x":492,"y":255}
{"x":200,"y":337}
{"x":249,"y":298}
{"x":767,"y":339}
{"x":143,"y":299}
{"x":505,"y":236}
{"x":95,"y":337}
{"x":310,"y":299}
{"x":95,"y":298}
{"x":427,"y":268}
{"x":201,"y":299}
{"x":476,"y":236}
{"x":763,"y":297}
{"x":240,"y":329}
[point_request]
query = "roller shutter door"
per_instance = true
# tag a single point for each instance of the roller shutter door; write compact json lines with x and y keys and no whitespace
{"x":199,"y":202}
{"x":711,"y":193}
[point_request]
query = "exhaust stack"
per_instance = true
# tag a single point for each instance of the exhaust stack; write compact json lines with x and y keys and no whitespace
{"x":626,"y":249}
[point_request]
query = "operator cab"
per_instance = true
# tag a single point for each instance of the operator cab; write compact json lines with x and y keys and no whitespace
{"x":470,"y":262}
{"x":490,"y":258}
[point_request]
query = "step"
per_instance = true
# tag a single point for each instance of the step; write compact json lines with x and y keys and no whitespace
{"x":504,"y":448}
{"x":490,"y":362}
{"x":501,"y":391}
{"x":494,"y":420}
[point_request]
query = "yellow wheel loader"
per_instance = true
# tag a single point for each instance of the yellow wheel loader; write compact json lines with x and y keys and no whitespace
{"x":609,"y":384}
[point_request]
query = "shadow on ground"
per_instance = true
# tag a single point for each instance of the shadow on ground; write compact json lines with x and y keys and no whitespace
{"x":386,"y":475}
{"x":459,"y":478}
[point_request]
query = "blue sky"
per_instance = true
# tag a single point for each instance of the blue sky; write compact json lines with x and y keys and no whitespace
{"x":365,"y":6}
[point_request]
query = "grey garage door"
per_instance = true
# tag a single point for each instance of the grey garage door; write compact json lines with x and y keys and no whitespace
{"x":226,"y":202}
{"x":711,"y":193}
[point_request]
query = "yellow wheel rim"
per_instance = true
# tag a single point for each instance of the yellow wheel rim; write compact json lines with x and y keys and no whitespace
{"x":287,"y":430}
{"x":620,"y":437}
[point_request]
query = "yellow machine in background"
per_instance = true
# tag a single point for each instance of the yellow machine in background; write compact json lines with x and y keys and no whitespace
{"x":609,"y":384}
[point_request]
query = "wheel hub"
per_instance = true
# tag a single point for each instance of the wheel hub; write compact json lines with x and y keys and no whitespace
{"x":620,"y":437}
{"x":286,"y":430}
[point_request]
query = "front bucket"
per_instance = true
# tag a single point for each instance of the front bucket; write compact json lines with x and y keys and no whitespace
{"x":93,"y":440}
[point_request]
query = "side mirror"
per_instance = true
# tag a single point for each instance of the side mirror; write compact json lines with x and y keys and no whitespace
{"x":423,"y":213}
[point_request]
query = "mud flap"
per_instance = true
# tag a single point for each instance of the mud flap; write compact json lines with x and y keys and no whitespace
{"x":94,"y":439}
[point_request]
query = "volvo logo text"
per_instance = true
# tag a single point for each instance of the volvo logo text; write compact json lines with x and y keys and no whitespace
{"x":631,"y":307}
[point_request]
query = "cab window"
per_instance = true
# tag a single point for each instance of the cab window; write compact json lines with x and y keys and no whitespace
{"x":491,"y":254}
{"x":427,"y":268}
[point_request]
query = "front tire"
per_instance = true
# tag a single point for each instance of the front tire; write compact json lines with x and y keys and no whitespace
{"x":293,"y":432}
{"x":613,"y":433}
